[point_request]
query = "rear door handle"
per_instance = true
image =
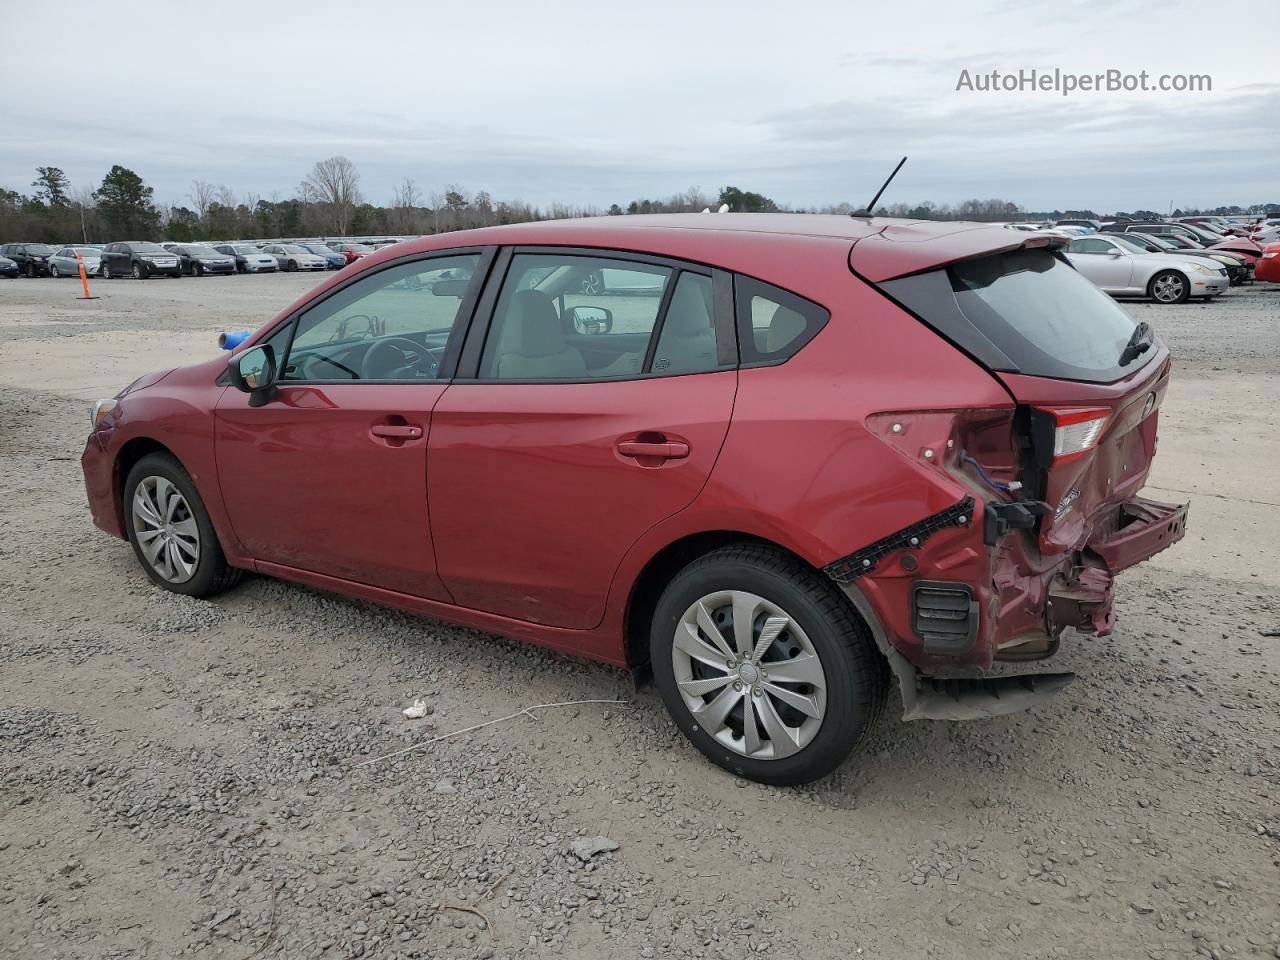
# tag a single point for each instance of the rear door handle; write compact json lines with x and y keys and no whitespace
{"x":396,"y":431}
{"x":665,"y":450}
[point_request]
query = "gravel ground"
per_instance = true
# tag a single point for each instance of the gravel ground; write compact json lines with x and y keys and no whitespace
{"x":182,"y":777}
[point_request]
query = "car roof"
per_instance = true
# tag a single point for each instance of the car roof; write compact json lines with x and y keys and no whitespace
{"x":882,"y":247}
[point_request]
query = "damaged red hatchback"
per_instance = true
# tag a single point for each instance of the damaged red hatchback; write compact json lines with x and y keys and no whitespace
{"x":773,"y":460}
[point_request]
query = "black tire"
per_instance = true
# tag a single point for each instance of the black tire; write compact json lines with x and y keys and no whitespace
{"x":31,"y":270}
{"x":53,"y":271}
{"x":105,"y":270}
{"x":857,"y":676}
{"x":139,"y":271}
{"x":292,"y":267}
{"x":1167,"y":277}
{"x":593,"y":283}
{"x":212,"y":574}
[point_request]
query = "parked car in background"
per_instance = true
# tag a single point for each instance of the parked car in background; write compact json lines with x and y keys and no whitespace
{"x":1268,"y":268}
{"x":292,"y":256}
{"x":8,"y":268}
{"x":352,"y":251}
{"x":1088,"y":224}
{"x":199,"y":259}
{"x":248,"y":258}
{"x":333,"y":258}
{"x":663,"y":482}
{"x":1123,"y":272}
{"x":63,"y":263}
{"x":32,"y":258}
{"x":139,"y":259}
{"x":1239,"y":269}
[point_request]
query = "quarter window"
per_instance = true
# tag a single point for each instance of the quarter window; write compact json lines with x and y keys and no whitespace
{"x":773,"y":323}
{"x":392,"y":325}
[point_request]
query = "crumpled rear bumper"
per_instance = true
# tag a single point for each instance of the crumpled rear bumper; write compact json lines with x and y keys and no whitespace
{"x":1138,"y":530}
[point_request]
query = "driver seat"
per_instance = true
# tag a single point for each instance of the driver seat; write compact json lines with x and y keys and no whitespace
{"x":533,"y":345}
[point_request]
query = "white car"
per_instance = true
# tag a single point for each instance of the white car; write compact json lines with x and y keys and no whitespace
{"x":64,"y":264}
{"x":1121,"y":272}
{"x":290,"y":256}
{"x":249,"y":259}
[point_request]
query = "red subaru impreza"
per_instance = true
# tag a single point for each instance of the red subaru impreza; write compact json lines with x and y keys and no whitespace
{"x":772,"y":461}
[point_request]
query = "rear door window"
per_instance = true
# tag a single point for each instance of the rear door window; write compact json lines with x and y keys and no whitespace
{"x":1024,"y":311}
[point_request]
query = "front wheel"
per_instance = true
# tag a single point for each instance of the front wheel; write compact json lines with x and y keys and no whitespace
{"x":764,"y":665}
{"x":1169,"y":286}
{"x":138,"y":272}
{"x":292,"y":267}
{"x":170,"y":530}
{"x":106,"y":270}
{"x":53,"y":271}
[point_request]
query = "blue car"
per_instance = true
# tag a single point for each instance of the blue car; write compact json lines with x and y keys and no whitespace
{"x":335,"y":260}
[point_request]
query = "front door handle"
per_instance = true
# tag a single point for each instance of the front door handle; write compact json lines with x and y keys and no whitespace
{"x":396,"y":431}
{"x":663,"y":450}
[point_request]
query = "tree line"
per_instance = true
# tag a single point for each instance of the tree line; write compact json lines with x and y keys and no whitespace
{"x":329,"y":202}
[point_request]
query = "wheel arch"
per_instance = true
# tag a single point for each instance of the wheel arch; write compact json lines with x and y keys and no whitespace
{"x":658,"y":572}
{"x":130,"y":453}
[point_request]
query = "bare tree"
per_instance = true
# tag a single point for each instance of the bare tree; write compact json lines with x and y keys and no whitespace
{"x":404,"y":206}
{"x":336,"y":184}
{"x":202,"y":195}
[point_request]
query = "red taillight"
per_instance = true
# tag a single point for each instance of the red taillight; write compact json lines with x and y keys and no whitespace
{"x":1076,"y":430}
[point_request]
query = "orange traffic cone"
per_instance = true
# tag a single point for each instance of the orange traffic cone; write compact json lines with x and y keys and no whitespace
{"x":84,"y":278}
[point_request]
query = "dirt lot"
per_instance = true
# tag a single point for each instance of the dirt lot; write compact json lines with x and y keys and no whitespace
{"x":179,"y":777}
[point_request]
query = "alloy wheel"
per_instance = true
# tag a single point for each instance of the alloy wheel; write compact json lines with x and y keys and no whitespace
{"x":749,"y":675}
{"x":592,"y":283}
{"x":1168,"y":288}
{"x":166,"y":529}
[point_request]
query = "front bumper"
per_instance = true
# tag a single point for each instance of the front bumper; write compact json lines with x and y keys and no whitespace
{"x":100,"y":486}
{"x":1210,"y":286}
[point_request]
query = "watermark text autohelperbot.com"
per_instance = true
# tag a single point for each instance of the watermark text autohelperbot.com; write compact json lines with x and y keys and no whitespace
{"x":1066,"y":83}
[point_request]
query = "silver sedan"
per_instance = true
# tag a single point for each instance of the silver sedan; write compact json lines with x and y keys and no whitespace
{"x":1121,"y":272}
{"x":64,"y":264}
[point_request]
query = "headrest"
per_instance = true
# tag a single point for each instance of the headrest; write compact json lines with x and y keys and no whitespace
{"x":785,"y":326}
{"x":535,"y":329}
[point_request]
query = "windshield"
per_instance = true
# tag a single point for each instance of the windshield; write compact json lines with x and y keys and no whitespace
{"x":1126,"y":241}
{"x":359,"y":248}
{"x":292,"y":248}
{"x":39,"y":250}
{"x":244,"y":248}
{"x":194,"y":251}
{"x":147,"y":247}
{"x":1024,"y":311}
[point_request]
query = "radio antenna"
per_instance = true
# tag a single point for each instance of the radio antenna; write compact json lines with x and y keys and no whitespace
{"x":866,"y":211}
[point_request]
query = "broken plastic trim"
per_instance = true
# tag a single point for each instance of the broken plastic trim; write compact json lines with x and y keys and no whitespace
{"x":960,"y":698}
{"x":849,"y":568}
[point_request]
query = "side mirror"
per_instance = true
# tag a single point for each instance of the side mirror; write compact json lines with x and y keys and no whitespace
{"x":254,"y":372}
{"x":591,"y":320}
{"x":1114,"y":253}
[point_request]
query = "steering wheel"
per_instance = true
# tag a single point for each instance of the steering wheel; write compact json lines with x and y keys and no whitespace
{"x":391,"y":358}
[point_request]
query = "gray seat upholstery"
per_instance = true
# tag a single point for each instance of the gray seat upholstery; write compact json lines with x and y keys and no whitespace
{"x":532,"y":344}
{"x":784,"y":326}
{"x":688,"y":341}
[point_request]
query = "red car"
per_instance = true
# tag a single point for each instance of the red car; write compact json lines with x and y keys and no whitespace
{"x":1268,"y":267}
{"x":774,"y":460}
{"x":352,"y":251}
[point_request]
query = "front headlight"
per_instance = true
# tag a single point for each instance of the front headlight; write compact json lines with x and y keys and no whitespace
{"x":100,"y":410}
{"x":1205,"y":270}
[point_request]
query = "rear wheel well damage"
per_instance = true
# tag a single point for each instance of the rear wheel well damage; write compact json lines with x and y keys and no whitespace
{"x":660,"y":570}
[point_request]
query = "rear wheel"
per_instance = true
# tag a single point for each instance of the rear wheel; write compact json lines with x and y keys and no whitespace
{"x":170,"y":530}
{"x":1169,"y":286}
{"x":764,"y":665}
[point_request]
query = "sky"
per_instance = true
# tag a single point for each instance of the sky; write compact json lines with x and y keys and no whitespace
{"x":591,"y":103}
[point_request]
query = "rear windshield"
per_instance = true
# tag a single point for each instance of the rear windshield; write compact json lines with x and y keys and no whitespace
{"x":1024,"y":311}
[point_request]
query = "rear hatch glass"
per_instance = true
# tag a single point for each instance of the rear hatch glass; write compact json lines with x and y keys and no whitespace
{"x":1035,"y":322}
{"x":1024,"y":311}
